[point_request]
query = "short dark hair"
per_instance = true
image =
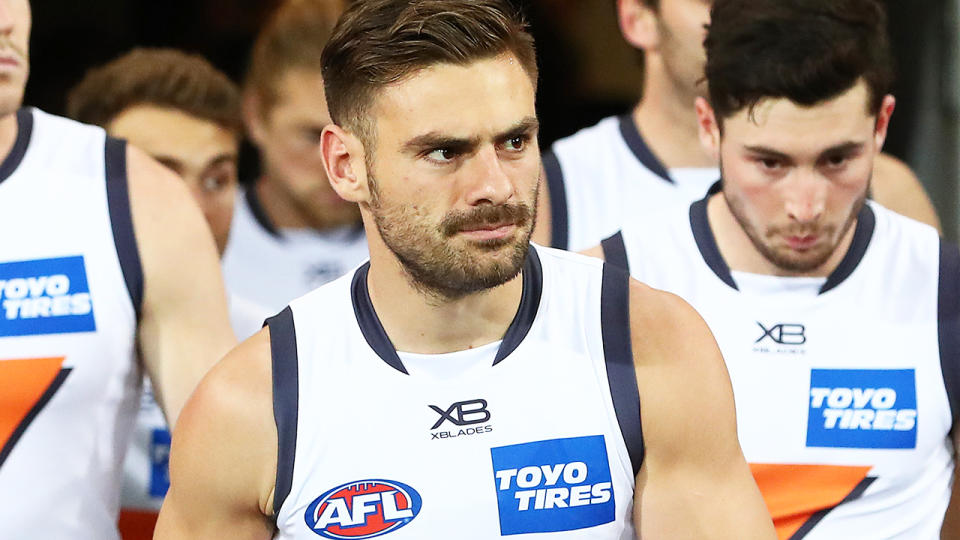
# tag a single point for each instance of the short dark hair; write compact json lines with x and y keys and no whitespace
{"x":292,"y":38}
{"x":380,"y":42}
{"x":807,"y":51}
{"x":159,"y":77}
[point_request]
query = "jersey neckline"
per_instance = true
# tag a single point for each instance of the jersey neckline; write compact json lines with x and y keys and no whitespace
{"x":376,"y":336}
{"x":19,"y":149}
{"x":707,"y":243}
{"x":635,"y":142}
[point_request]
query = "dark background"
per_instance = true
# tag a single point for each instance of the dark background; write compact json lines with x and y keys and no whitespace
{"x":70,"y":36}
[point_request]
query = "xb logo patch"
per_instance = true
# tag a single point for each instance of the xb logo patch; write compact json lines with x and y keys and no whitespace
{"x":783,"y":334}
{"x":463,"y":413}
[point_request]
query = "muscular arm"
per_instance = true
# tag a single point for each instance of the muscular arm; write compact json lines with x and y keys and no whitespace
{"x":694,"y":482}
{"x":224,"y":455}
{"x":184,"y":326}
{"x":897,"y":188}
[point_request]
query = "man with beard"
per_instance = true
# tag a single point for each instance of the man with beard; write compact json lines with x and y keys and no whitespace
{"x":107,"y":272}
{"x":839,"y":320}
{"x":463,"y":384}
{"x":647,"y":158}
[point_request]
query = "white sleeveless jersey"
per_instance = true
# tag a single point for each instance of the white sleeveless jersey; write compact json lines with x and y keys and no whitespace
{"x":602,"y":174}
{"x":843,"y":385}
{"x":271,"y":267}
{"x":70,"y":288}
{"x":525,"y":445}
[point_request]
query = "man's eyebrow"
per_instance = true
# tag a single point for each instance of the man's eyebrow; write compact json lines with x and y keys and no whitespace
{"x":844,"y":148}
{"x":433,"y":139}
{"x":523,"y":127}
{"x":768,"y":152}
{"x":220,"y":159}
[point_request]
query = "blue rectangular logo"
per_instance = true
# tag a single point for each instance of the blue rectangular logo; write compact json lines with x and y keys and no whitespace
{"x":45,"y":296}
{"x":159,"y":462}
{"x":862,"y":408}
{"x":551,"y":486}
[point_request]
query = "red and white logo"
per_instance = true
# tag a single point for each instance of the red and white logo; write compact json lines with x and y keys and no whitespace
{"x":363,"y":509}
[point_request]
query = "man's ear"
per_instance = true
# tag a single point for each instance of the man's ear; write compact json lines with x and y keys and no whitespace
{"x":638,"y":24}
{"x":344,"y":161}
{"x":883,"y":120}
{"x":708,"y":128}
{"x":253,"y":116}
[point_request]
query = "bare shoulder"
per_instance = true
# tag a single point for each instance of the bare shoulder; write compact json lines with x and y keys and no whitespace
{"x":223,"y":457}
{"x":896,"y":187}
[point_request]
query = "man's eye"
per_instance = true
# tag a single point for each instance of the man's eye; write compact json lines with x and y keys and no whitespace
{"x":213,"y":183}
{"x":771,"y":164}
{"x":516,"y":144}
{"x":441,"y":155}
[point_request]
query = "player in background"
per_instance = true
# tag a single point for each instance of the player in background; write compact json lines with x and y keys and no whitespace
{"x":651,"y":157}
{"x":184,"y":113}
{"x":108,"y":272}
{"x":291,"y":232}
{"x":839,"y":319}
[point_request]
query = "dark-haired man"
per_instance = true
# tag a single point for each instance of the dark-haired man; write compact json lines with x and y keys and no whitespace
{"x":107,"y":272}
{"x":839,"y":320}
{"x":650,"y":157}
{"x":185,"y":114}
{"x":463,"y":384}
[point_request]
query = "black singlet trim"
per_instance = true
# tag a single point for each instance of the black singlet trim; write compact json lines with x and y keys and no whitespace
{"x":286,"y":398}
{"x":818,"y":517}
{"x":259,"y":214}
{"x":631,"y":135}
{"x":618,"y":355}
{"x":866,"y":223}
{"x":121,"y":220}
{"x":615,"y":251}
{"x":948,"y":324}
{"x":32,"y":414}
{"x":377,"y":339}
{"x":19,"y":149}
{"x":559,"y":213}
{"x":707,"y":243}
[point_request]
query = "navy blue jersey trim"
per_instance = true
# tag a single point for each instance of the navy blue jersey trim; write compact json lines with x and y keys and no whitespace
{"x":866,"y":223}
{"x":527,"y":310}
{"x":121,"y":220}
{"x":24,"y":130}
{"x":707,"y":243}
{"x":948,"y":323}
{"x":559,"y":213}
{"x":631,"y":135}
{"x":32,"y":414}
{"x":377,"y":339}
{"x":816,"y":518}
{"x":615,"y":251}
{"x":286,"y":398}
{"x":618,"y":355}
{"x":259,"y":214}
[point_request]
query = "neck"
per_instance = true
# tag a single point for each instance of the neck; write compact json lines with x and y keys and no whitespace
{"x":667,"y":120}
{"x":418,"y":322}
{"x":281,"y":209}
{"x":741,"y":255}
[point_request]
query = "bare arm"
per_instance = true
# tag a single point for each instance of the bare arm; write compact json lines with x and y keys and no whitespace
{"x":543,"y":231}
{"x":897,"y":188}
{"x":224,"y":455}
{"x":694,"y":482}
{"x":184,"y":326}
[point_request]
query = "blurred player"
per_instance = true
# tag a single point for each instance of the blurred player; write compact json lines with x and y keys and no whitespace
{"x":650,"y":157}
{"x":839,"y":319}
{"x":291,"y":231}
{"x":185,"y":114}
{"x":463,"y":384}
{"x":107,"y":272}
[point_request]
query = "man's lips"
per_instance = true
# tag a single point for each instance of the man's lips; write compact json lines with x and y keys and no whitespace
{"x":489,"y":231}
{"x":802,"y":242}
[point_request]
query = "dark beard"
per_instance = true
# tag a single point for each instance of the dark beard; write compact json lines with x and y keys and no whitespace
{"x":438,"y":269}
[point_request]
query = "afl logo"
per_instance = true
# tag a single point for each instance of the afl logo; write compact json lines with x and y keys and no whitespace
{"x":364,"y":509}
